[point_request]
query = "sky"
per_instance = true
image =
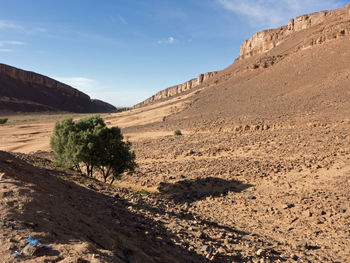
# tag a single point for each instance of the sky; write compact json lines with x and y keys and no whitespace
{"x":124,"y":51}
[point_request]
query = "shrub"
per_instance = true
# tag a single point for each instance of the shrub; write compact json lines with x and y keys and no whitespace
{"x":3,"y":121}
{"x":90,"y":143}
{"x":143,"y":192}
{"x":177,"y":133}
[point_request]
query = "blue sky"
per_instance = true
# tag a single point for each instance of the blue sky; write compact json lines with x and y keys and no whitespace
{"x":123,"y":51}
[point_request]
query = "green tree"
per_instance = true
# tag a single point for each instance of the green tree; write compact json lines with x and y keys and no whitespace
{"x":117,"y":157}
{"x":63,"y":143}
{"x":90,"y":143}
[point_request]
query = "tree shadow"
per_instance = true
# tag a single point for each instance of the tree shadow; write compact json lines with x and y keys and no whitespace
{"x":56,"y":208}
{"x":200,"y":188}
{"x":185,"y":217}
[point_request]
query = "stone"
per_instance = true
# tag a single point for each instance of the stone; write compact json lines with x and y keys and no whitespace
{"x":294,"y":257}
{"x":307,"y":213}
{"x":81,"y":260}
{"x":302,"y":244}
{"x":260,"y":252}
{"x":200,"y":235}
{"x":31,"y":250}
{"x":251,"y":197}
{"x":206,"y":248}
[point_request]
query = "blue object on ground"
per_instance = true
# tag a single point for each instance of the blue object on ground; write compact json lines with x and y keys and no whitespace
{"x":36,"y":242}
{"x":16,"y":254}
{"x":33,"y":241}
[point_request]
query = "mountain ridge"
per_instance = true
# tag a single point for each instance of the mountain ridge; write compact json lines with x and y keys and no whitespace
{"x":27,"y":91}
{"x":330,"y":25}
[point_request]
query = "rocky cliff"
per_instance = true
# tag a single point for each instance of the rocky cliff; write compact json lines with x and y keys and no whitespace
{"x":315,"y":29}
{"x":178,"y":89}
{"x":27,"y":91}
{"x":266,"y":40}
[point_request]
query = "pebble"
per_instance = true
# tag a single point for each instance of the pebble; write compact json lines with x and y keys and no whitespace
{"x":294,"y":257}
{"x":260,"y":252}
{"x":206,"y":248}
{"x":251,"y":197}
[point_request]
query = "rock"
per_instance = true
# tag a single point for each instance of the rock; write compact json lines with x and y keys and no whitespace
{"x":294,"y":257}
{"x":251,"y":197}
{"x":266,"y":40}
{"x":200,"y":235}
{"x":260,"y":252}
{"x":81,"y":260}
{"x":302,"y":244}
{"x":31,"y":250}
{"x":178,"y":89}
{"x":206,"y":248}
{"x":307,"y":213}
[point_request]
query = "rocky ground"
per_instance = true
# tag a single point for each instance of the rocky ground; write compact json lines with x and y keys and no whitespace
{"x":257,"y":196}
{"x":279,"y":195}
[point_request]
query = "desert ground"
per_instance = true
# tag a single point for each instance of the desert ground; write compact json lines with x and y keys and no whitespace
{"x":261,"y":172}
{"x":279,"y":194}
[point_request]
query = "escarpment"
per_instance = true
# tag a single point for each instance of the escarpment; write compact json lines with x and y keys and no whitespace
{"x":26,"y":91}
{"x":264,"y":41}
{"x":269,"y":47}
{"x":178,"y":89}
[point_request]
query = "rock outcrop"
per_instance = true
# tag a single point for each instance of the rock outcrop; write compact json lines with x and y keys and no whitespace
{"x":266,"y":40}
{"x":312,"y":29}
{"x":27,"y":91}
{"x":178,"y":89}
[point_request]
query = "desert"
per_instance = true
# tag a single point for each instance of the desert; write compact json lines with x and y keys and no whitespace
{"x":260,"y":172}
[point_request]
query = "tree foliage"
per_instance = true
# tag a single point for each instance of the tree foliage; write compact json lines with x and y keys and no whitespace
{"x":89,"y":143}
{"x":4,"y":120}
{"x":177,"y":133}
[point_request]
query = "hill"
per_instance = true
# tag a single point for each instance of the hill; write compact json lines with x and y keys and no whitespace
{"x":297,"y":73}
{"x":25,"y":91}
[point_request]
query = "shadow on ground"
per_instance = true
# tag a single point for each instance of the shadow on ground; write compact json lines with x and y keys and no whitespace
{"x":200,"y":188}
{"x":83,"y":218}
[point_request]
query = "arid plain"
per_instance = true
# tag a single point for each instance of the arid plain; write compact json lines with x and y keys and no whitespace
{"x":260,"y":174}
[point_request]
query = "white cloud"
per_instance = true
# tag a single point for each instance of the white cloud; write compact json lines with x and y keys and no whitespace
{"x":85,"y":85}
{"x":120,"y":98}
{"x":5,"y":50}
{"x":10,"y":42}
{"x":9,"y":25}
{"x":122,"y":20}
{"x":274,"y":13}
{"x":41,"y":30}
{"x":169,"y":40}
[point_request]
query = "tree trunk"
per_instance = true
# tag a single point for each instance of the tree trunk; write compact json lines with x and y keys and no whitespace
{"x":112,"y":181}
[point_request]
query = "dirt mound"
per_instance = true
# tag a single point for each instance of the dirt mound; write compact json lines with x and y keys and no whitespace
{"x":24,"y":91}
{"x":80,"y":219}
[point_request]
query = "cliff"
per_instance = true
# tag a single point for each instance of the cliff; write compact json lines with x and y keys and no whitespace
{"x":178,"y":89}
{"x":266,"y":40}
{"x":302,"y":32}
{"x":27,"y":91}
